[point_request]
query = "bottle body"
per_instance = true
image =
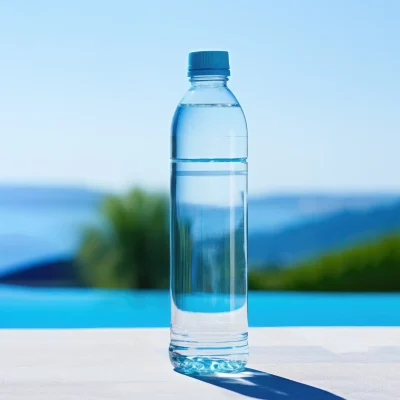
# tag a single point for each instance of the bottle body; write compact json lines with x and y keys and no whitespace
{"x":209,"y":231}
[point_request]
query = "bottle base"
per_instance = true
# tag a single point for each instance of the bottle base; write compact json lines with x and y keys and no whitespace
{"x":206,"y":365}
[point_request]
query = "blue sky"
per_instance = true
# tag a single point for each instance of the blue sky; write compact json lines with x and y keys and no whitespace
{"x":88,"y":89}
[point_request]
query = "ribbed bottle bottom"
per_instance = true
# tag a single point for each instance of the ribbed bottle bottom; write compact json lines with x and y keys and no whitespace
{"x":194,"y":357}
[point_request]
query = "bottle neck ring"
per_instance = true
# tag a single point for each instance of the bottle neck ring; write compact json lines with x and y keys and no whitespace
{"x":208,"y":80}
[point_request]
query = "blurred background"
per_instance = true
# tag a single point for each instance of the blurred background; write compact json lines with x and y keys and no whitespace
{"x":87,"y":94}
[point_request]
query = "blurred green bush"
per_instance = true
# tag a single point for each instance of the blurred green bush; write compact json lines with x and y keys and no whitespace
{"x":373,"y":266}
{"x":131,"y":250}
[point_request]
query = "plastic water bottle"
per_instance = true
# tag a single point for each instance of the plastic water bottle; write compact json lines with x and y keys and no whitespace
{"x":209,"y":223}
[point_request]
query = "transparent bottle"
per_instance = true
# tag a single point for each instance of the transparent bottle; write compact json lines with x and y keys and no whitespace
{"x":209,"y":223}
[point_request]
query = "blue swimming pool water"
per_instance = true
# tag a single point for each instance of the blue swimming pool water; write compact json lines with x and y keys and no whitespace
{"x":89,"y":308}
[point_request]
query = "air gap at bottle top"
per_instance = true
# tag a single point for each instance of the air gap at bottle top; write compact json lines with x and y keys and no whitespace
{"x":209,"y":223}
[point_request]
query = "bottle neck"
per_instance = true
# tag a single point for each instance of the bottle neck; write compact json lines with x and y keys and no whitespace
{"x":208,"y":80}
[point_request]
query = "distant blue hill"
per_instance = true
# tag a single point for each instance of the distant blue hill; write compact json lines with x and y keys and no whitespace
{"x":274,"y":212}
{"x":53,"y":272}
{"x":314,"y":237}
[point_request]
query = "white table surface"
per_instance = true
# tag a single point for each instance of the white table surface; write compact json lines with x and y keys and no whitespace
{"x":290,"y":363}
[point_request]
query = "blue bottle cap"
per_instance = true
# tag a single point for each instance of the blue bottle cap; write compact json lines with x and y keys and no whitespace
{"x":208,"y":63}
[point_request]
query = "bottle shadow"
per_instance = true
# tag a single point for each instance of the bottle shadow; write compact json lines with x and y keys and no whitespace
{"x":261,"y":385}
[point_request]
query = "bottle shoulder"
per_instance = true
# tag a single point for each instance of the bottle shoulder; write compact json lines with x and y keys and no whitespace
{"x":209,"y":131}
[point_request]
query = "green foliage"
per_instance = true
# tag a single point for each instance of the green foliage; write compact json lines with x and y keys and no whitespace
{"x":372,"y":266}
{"x":132,"y":250}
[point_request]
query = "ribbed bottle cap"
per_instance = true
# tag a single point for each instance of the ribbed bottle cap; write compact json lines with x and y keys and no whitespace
{"x":208,"y":63}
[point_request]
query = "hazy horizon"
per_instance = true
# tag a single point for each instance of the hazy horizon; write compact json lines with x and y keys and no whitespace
{"x":254,"y":196}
